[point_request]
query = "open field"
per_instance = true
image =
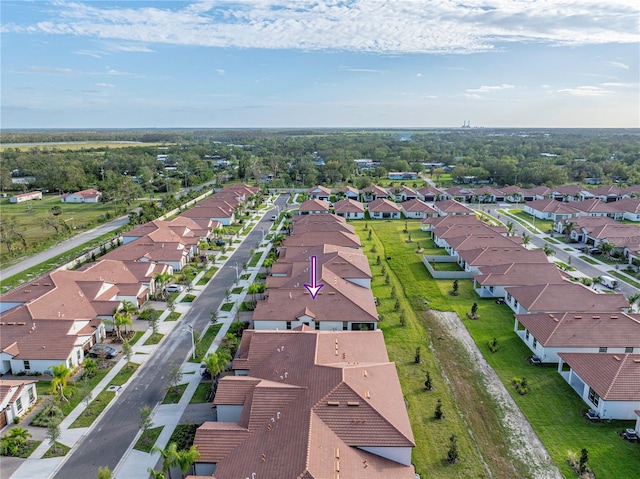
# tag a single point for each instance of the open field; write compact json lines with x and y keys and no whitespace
{"x":30,"y":217}
{"x":542,"y":225}
{"x":552,"y":407}
{"x":81,"y":145}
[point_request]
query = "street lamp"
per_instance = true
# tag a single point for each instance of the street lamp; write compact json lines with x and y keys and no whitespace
{"x":193,"y":341}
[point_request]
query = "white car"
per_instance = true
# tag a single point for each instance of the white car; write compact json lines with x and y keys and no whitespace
{"x":174,"y":288}
{"x":274,"y":217}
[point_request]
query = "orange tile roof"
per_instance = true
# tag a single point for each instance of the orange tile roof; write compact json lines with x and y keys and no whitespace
{"x":311,"y":408}
{"x":566,"y":297}
{"x":614,"y":377}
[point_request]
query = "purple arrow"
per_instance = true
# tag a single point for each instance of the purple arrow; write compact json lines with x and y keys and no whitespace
{"x":313,"y":288}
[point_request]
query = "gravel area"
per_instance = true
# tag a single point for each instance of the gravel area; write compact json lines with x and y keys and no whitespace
{"x":524,"y":441}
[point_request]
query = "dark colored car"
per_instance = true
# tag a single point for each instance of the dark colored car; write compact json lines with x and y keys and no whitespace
{"x":220,"y":242}
{"x":100,"y":349}
{"x":535,"y":360}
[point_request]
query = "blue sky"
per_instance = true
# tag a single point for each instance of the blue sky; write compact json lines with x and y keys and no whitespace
{"x":320,"y":63}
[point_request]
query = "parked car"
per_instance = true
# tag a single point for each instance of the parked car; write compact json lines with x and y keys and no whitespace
{"x":174,"y":288}
{"x":220,"y":242}
{"x":274,"y":217}
{"x":98,"y":350}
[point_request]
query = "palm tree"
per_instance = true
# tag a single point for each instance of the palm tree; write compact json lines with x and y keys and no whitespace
{"x":19,"y":435}
{"x":268,"y":263}
{"x":633,"y":300}
{"x":130,"y":309}
{"x":186,"y":458}
{"x":168,"y":454}
{"x":161,"y":281}
{"x":526,"y":239}
{"x":511,"y":228}
{"x":568,"y":227}
{"x":278,"y":239}
{"x":61,"y":374}
{"x":606,"y":248}
{"x":155,"y":474}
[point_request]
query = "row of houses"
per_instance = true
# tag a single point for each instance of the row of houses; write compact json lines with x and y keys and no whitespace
{"x":485,"y":194}
{"x":59,"y":316}
{"x":312,"y":392}
{"x":593,"y":337}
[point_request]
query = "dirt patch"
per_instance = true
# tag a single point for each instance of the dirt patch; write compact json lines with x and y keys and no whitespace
{"x":524,"y":442}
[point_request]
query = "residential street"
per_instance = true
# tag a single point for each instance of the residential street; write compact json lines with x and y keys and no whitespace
{"x":107,"y":442}
{"x":63,"y":247}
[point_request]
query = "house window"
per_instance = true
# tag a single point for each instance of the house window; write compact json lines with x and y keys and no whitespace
{"x":602,"y":349}
{"x":491,"y":289}
{"x":593,"y":397}
{"x":70,"y":362}
{"x":345,"y":325}
{"x":288,"y":324}
{"x":31,"y":395}
{"x":317,"y":325}
{"x":535,"y":343}
{"x":628,"y":350}
{"x":526,"y":334}
{"x":27,"y":365}
{"x":78,"y":355}
{"x":19,"y":404}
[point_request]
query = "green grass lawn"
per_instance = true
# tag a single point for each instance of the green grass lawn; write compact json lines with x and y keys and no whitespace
{"x":136,"y":337}
{"x":227,"y":307}
{"x":551,"y":406}
{"x":200,"y":395}
{"x":588,"y":259}
{"x":57,"y":450}
{"x":146,"y":441}
{"x":153,"y":339}
{"x":542,"y":225}
{"x":174,"y":394}
{"x":254,"y":260}
{"x":173,"y":316}
{"x":237,"y":290}
{"x":205,"y":342}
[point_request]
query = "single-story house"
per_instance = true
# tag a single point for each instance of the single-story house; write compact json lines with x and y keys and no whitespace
{"x":373,"y":192}
{"x":417,"y":209}
{"x":314,"y":207}
{"x":403,"y":193}
{"x":21,"y":198}
{"x":17,"y":396}
{"x":548,"y":334}
{"x":349,"y":192}
{"x":431,"y":194}
{"x":85,"y":196}
{"x":452,"y":207}
{"x":350,"y":209}
{"x":606,"y":382}
{"x":550,"y":209}
{"x":402,"y":175}
{"x":319,"y":193}
{"x":383,"y":209}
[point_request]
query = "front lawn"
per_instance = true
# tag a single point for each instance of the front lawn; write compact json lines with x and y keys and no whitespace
{"x":146,"y":441}
{"x":153,"y":339}
{"x":173,"y":316}
{"x":57,"y":450}
{"x":201,"y":393}
{"x":205,"y":342}
{"x":174,"y":394}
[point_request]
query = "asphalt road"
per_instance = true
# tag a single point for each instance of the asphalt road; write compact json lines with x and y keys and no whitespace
{"x":107,"y":442}
{"x":63,"y":247}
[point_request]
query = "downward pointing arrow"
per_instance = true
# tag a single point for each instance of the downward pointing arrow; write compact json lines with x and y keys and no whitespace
{"x":313,"y":288}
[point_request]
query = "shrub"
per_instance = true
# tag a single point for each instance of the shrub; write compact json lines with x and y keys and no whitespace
{"x":49,"y":414}
{"x":452,"y":453}
{"x":493,"y":345}
{"x":438,"y":414}
{"x":521,"y":385}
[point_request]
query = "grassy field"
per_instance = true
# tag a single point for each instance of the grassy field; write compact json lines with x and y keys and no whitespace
{"x":29,"y":218}
{"x":543,"y":225}
{"x":551,"y":406}
{"x":82,"y":145}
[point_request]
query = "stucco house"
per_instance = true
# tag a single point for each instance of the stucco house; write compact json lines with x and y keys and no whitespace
{"x":17,"y":396}
{"x":417,"y":209}
{"x":319,"y":193}
{"x":383,"y":209}
{"x":85,"y":196}
{"x":606,"y":382}
{"x":550,"y":209}
{"x":314,"y":207}
{"x":349,"y":208}
{"x":549,"y":334}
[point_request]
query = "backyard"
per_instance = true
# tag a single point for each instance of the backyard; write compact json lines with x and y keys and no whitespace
{"x":551,"y":406}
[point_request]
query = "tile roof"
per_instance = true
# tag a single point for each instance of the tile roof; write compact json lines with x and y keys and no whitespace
{"x":595,"y":206}
{"x":502,"y":255}
{"x":550,"y":205}
{"x":482,"y":240}
{"x":586,"y":329}
{"x":566,"y":297}
{"x":340,"y":394}
{"x":383,"y":205}
{"x":314,"y":205}
{"x":315,"y":238}
{"x":627,"y":205}
{"x":519,"y":274}
{"x":417,"y":205}
{"x":323,"y":190}
{"x":348,"y":206}
{"x":452,"y":206}
{"x":614,"y":377}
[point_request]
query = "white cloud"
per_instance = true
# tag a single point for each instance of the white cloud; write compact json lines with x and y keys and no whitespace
{"x":587,"y":90}
{"x":487,"y":88}
{"x":220,"y":71}
{"x":417,"y":26}
{"x":360,"y":70}
{"x":619,"y":85}
{"x":51,"y":70}
{"x":106,"y":85}
{"x":88,"y":53}
{"x":624,"y":66}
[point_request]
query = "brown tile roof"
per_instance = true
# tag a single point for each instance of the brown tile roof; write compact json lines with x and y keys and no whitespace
{"x":614,"y":377}
{"x":614,"y":231}
{"x":482,"y":240}
{"x":627,"y":205}
{"x":315,"y":238}
{"x":519,"y":274}
{"x":502,"y":255}
{"x":319,"y":190}
{"x":550,"y":205}
{"x":341,"y":394}
{"x":383,"y":205}
{"x":314,"y":205}
{"x":338,"y":300}
{"x":566,"y":297}
{"x":451,"y":220}
{"x":452,"y":206}
{"x":375,"y":190}
{"x":348,"y":206}
{"x":417,"y":205}
{"x":587,"y":329}
{"x":146,"y":248}
{"x":430,"y":191}
{"x":595,"y":206}
{"x":538,"y":190}
{"x":454,"y":230}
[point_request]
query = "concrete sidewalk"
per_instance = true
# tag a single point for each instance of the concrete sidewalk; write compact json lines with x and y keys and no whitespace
{"x":136,"y":463}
